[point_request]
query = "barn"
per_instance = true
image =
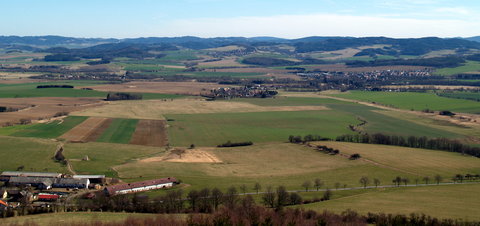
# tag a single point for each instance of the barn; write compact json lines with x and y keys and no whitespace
{"x":140,"y":186}
{"x":38,"y":182}
{"x":94,"y":179}
{"x":6,"y":175}
{"x":71,"y":183}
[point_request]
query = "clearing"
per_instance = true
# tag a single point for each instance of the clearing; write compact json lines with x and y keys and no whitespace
{"x":199,"y":155}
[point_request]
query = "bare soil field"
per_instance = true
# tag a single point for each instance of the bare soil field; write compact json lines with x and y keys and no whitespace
{"x":150,"y":133}
{"x":344,"y":68}
{"x":40,"y":108}
{"x":155,"y":109}
{"x":200,"y":155}
{"x":185,"y":88}
{"x":88,"y":130}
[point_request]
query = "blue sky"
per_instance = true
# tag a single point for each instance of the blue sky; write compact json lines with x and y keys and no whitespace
{"x":214,"y":18}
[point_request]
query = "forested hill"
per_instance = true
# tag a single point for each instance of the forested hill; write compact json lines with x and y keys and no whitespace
{"x":411,"y":46}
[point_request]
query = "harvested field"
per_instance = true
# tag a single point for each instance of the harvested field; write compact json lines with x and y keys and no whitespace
{"x":155,"y":109}
{"x":89,"y":130}
{"x":226,"y":62}
{"x":344,"y":68}
{"x":203,"y":155}
{"x":150,"y":133}
{"x":186,"y":88}
{"x":43,"y":107}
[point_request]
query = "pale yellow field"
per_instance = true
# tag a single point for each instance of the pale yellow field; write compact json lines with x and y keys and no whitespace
{"x":419,"y":162}
{"x":444,"y":201}
{"x":155,"y":109}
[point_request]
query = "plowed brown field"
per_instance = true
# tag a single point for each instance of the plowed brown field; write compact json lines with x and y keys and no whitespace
{"x":150,"y":133}
{"x":88,"y":130}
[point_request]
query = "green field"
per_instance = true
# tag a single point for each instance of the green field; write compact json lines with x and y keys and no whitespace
{"x":445,"y":201}
{"x":378,"y":121}
{"x":30,"y":90}
{"x":475,"y":96}
{"x":120,"y":131}
{"x":31,"y":153}
{"x":414,"y":101}
{"x":51,"y":129}
{"x":470,"y":66}
{"x":218,"y":128}
{"x":104,"y":157}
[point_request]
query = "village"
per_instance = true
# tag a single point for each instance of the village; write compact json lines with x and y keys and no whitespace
{"x":39,"y":189}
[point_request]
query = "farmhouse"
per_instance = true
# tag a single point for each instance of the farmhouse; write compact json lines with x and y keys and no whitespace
{"x":140,"y":186}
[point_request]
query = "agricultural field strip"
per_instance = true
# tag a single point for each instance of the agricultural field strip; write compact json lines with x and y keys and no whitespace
{"x":84,"y":131}
{"x":156,"y":109}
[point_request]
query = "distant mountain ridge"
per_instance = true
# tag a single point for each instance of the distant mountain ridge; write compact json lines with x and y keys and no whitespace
{"x":404,"y":46}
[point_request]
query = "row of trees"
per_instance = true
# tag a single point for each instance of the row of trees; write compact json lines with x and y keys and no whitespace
{"x":306,"y":138}
{"x":443,"y":144}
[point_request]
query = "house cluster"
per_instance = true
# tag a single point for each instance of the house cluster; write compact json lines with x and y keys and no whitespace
{"x":27,"y":187}
{"x":140,"y":186}
{"x":256,"y":91}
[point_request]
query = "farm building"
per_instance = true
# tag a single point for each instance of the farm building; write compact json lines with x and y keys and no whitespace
{"x":47,"y":197}
{"x":140,"y":186}
{"x":9,"y":174}
{"x":94,"y":179}
{"x":38,"y":182}
{"x":71,"y":183}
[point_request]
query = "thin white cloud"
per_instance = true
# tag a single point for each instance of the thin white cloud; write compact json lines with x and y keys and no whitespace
{"x":454,"y":10}
{"x":294,"y":26}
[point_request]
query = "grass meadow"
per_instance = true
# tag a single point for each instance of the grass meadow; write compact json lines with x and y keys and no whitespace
{"x":119,"y":131}
{"x":470,"y":66}
{"x":51,"y":129}
{"x":443,"y":201}
{"x":414,"y":101}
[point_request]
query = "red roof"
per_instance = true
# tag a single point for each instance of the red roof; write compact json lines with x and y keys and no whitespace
{"x":114,"y":188}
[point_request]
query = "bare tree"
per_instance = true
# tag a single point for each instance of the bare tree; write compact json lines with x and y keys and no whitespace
{"x":193,"y":197}
{"x":318,"y":183}
{"x":416,"y":181}
{"x":306,"y":185}
{"x":282,"y":197}
{"x":405,"y":181}
{"x":243,"y":188}
{"x":268,"y":197}
{"x":426,"y":179}
{"x":257,"y":187}
{"x":364,"y":181}
{"x":337,"y":185}
{"x":327,"y":194}
{"x":438,"y":179}
{"x":217,"y":197}
{"x":376,"y":181}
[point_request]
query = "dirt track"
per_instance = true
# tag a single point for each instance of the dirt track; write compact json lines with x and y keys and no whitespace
{"x":88,"y":130}
{"x":150,"y":133}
